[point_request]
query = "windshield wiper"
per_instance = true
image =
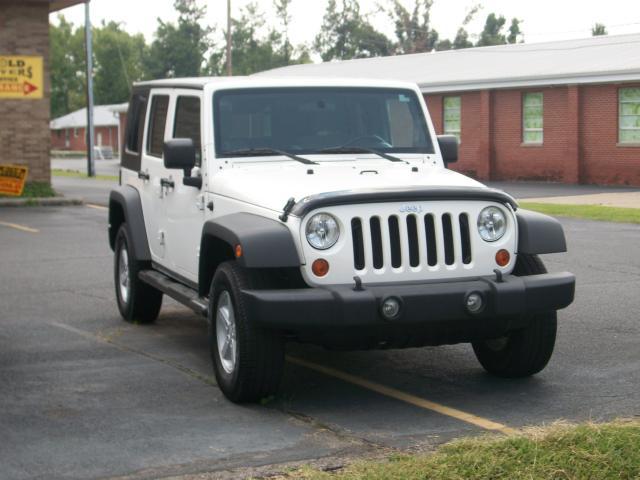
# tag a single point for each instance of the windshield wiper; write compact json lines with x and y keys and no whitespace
{"x":386,"y":156}
{"x":248,"y":152}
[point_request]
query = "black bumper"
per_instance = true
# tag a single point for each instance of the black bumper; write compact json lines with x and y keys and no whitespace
{"x":424,"y":305}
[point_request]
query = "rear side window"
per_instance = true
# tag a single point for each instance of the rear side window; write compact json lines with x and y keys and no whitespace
{"x":135,"y":122}
{"x":157,"y":123}
{"x":187,"y":122}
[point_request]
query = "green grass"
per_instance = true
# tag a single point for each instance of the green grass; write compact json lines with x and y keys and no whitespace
{"x":35,"y":190}
{"x":58,"y":172}
{"x":588,"y":451}
{"x":589,"y":212}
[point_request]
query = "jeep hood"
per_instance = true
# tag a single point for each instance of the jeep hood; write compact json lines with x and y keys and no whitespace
{"x":271,"y":185}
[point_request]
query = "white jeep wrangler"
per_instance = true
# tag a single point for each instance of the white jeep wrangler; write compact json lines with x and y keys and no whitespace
{"x":322,"y":211}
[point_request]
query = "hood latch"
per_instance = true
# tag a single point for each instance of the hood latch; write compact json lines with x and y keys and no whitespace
{"x":287,"y":209}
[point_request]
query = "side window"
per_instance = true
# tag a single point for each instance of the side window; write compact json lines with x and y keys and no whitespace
{"x":157,"y":124}
{"x":187,"y":122}
{"x":135,"y":123}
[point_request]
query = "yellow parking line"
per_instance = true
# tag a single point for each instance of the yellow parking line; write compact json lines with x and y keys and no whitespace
{"x":19,"y":227}
{"x":97,"y":207}
{"x":406,"y":397}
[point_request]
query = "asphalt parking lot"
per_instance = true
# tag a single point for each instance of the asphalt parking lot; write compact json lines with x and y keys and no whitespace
{"x":85,"y":395}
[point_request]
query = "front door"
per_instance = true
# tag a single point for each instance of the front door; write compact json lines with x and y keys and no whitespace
{"x":184,"y":204}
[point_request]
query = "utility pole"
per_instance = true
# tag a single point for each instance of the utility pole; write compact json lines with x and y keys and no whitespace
{"x":89,"y":131}
{"x":229,"y":60}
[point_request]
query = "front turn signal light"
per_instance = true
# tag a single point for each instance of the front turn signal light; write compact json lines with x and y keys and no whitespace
{"x":320,"y":267}
{"x":503,"y":258}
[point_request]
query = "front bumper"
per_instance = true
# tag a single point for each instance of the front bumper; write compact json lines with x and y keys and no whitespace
{"x":424,"y":305}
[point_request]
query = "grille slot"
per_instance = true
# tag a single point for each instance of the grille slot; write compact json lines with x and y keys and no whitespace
{"x":465,"y":239}
{"x":411,"y":240}
{"x":412,"y":237}
{"x":376,"y":242}
{"x":394,"y":237}
{"x":358,"y":243}
{"x":447,"y":233}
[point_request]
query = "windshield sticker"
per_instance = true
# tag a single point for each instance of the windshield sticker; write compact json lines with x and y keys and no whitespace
{"x":403,"y":98}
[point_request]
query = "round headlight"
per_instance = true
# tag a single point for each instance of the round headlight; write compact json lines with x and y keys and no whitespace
{"x":322,"y":231}
{"x":492,"y":224}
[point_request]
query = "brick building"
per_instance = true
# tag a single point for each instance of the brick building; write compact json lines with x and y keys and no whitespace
{"x":566,"y":111}
{"x":24,"y":122}
{"x":69,"y":131}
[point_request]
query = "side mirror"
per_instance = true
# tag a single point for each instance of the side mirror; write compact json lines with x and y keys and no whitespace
{"x":180,"y":153}
{"x":449,"y":148}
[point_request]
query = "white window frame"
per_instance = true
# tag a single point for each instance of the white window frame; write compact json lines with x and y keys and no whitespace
{"x":526,"y":129}
{"x":621,"y":115}
{"x":447,"y":130}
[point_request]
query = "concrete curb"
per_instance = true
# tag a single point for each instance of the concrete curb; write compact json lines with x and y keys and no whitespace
{"x":40,"y":202}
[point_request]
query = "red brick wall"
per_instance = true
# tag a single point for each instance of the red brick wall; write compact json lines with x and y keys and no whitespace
{"x":78,"y":143}
{"x":24,"y":124}
{"x":603,"y":161}
{"x":580,"y":136}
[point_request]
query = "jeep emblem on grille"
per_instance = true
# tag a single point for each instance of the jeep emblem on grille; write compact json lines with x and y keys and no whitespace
{"x":411,"y":209}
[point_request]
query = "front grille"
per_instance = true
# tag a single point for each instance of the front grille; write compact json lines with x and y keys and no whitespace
{"x":411,"y":240}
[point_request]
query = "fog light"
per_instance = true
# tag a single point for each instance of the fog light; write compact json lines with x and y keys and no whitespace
{"x":474,"y":302}
{"x":320,"y":267}
{"x":390,"y":308}
{"x":502,"y":257}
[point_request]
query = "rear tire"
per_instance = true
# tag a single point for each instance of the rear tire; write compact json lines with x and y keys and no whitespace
{"x":526,"y":351}
{"x":137,"y":301}
{"x":247,"y":359}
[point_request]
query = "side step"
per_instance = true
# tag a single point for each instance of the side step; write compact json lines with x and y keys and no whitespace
{"x":176,"y":290}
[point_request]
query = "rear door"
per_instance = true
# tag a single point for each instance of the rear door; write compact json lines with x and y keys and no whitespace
{"x":152,"y":170}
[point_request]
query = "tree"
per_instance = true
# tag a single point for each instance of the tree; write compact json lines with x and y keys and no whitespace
{"x":492,"y":32}
{"x":413,"y":30}
{"x":515,"y":35}
{"x":254,"y":51}
{"x":179,"y":50}
{"x":282,"y":11}
{"x":67,"y":67}
{"x":345,"y":33}
{"x":118,"y":62}
{"x":598,"y":29}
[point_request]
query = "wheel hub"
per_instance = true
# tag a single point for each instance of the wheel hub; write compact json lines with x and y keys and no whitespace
{"x":123,"y":274}
{"x":226,"y":332}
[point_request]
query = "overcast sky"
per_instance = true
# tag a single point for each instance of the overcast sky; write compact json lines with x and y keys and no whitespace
{"x":544,"y":20}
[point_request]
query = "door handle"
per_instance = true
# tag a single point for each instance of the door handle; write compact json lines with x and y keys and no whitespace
{"x":144,"y":176}
{"x":166,"y":182}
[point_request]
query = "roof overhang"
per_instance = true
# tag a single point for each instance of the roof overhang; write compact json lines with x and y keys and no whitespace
{"x":542,"y":81}
{"x":55,"y":5}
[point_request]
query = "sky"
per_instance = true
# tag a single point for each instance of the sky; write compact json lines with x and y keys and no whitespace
{"x":543,"y":20}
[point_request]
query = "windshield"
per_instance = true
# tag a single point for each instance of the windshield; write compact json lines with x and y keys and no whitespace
{"x":310,"y":120}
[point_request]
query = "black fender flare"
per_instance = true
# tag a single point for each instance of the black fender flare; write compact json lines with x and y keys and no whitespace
{"x":265,"y":243}
{"x":125,"y":206}
{"x":539,"y":233}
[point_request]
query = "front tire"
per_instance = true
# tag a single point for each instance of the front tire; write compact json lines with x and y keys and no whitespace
{"x":247,"y":359}
{"x":523,"y":352}
{"x":137,"y":301}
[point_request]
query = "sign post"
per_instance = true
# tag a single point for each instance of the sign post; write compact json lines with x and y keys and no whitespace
{"x":91,"y":166}
{"x":21,"y":77}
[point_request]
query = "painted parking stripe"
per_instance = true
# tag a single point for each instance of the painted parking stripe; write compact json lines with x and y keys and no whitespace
{"x":97,"y":207}
{"x":22,"y":228}
{"x":406,"y":397}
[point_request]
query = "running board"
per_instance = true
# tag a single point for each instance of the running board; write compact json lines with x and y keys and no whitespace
{"x":176,"y":290}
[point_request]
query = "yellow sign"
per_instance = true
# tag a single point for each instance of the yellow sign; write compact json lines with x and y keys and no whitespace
{"x":21,"y":77}
{"x":12,"y":178}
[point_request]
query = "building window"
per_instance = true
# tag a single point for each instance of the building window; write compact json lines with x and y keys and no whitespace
{"x":532,"y":118}
{"x":452,"y":116}
{"x":75,"y":133}
{"x":629,"y":116}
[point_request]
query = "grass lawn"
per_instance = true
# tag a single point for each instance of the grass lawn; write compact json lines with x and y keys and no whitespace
{"x":58,"y":172}
{"x":35,"y":190}
{"x":588,"y":451}
{"x":589,"y":212}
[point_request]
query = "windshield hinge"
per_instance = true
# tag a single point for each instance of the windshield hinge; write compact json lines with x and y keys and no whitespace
{"x":287,"y":209}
